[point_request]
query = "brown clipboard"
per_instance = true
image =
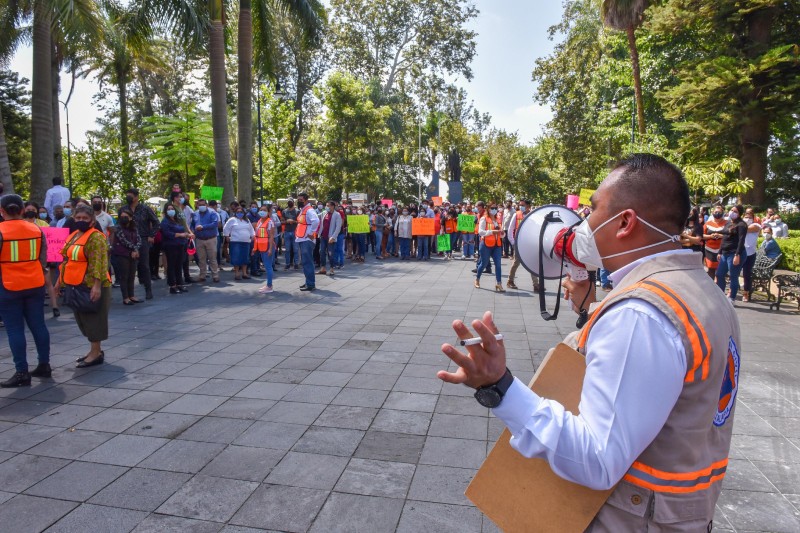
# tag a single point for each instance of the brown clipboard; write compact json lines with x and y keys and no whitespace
{"x":525,"y":495}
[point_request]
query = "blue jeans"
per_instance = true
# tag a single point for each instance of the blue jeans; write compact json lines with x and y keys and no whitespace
{"x":378,"y":242}
{"x":307,"y":259}
{"x":267,"y":260}
{"x":338,"y":256}
{"x":469,"y":244}
{"x":390,"y":243}
{"x":405,"y":247}
{"x":292,"y":250}
{"x":453,"y":241}
{"x":17,"y":309}
{"x":487,"y":253}
{"x":423,"y":245}
{"x":326,"y":253}
{"x":361,"y":244}
{"x":725,"y":267}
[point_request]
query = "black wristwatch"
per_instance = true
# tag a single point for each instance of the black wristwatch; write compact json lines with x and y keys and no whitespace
{"x":491,"y":395}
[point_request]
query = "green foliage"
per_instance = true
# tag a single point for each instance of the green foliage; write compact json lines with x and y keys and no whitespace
{"x":718,"y":180}
{"x":791,"y":253}
{"x":99,"y":168}
{"x":277,"y":119}
{"x":183,"y":143}
{"x":14,"y":107}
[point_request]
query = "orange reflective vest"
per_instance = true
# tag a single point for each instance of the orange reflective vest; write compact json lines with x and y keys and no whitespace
{"x":261,"y":242}
{"x":73,"y":271}
{"x":19,"y":255}
{"x":302,"y":226}
{"x":492,"y":239}
{"x":519,"y":221}
{"x":450,"y":225}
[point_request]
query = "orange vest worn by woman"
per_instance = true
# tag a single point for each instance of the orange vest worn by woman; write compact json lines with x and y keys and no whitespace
{"x":21,"y":246}
{"x":261,"y":242}
{"x":450,"y":225}
{"x":73,"y":271}
{"x":492,"y":239}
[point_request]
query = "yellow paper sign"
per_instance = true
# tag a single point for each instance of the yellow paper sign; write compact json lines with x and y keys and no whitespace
{"x":586,"y":196}
{"x":190,"y":199}
{"x":358,"y":223}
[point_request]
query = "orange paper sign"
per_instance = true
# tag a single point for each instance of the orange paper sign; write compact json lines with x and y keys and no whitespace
{"x":423,"y":226}
{"x":437,"y":200}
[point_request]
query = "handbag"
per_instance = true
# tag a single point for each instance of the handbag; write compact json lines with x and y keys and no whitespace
{"x":77,"y":298}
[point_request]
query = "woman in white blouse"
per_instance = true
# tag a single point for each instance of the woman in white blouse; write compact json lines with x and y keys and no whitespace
{"x":239,"y":233}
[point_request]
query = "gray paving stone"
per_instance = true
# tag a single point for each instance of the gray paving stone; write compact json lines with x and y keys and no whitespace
{"x":459,"y":426}
{"x":330,"y":379}
{"x":71,"y":444}
{"x":459,"y":405}
{"x":460,"y":453}
{"x":194,"y":404}
{"x":281,"y":508}
{"x":312,"y":394}
{"x":5,"y":496}
{"x":216,"y":429}
{"x":220,"y":387}
{"x":66,"y":416}
{"x":208,"y":498}
{"x":309,"y":470}
{"x":104,"y":397}
{"x":360,"y":397}
{"x":284,"y":375}
{"x":341,"y":416}
{"x":400,"y":447}
{"x":774,"y":449}
{"x":156,"y":523}
{"x":244,"y":462}
{"x":24,"y":436}
{"x":23,"y":471}
{"x":166,"y":425}
{"x":413,"y":422}
{"x":411,"y":401}
{"x":77,"y":481}
{"x":113,"y":420}
{"x":182,"y":456}
{"x":785,"y":476}
{"x":743,"y":475}
{"x":135,"y":381}
{"x":375,"y":515}
{"x":265,"y":390}
{"x":293,"y":412}
{"x":180,"y":384}
{"x":439,"y":517}
{"x":124,"y":450}
{"x":275,"y":435}
{"x":372,"y":381}
{"x":29,"y":514}
{"x":244,"y":408}
{"x":89,"y":517}
{"x":141,"y":489}
{"x":148,"y":400}
{"x":376,"y":478}
{"x":330,"y":441}
{"x":759,"y":511}
{"x":61,"y":393}
{"x":441,"y":484}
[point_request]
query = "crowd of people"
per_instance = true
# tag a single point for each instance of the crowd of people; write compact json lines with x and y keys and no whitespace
{"x":256,"y":240}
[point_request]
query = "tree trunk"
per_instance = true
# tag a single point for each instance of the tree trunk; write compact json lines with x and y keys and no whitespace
{"x":219,"y":109}
{"x":637,"y":79}
{"x":5,"y":166}
{"x":245,"y":152}
{"x":124,"y":142}
{"x":754,"y":131}
{"x":41,"y":106}
{"x":55,"y":80}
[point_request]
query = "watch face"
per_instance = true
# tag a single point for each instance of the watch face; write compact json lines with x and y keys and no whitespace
{"x":488,"y":397}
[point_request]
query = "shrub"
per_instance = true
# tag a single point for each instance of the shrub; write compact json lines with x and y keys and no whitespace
{"x":791,"y":253}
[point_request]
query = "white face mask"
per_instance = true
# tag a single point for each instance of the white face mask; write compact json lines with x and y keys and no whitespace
{"x":767,"y":236}
{"x":585,"y":246}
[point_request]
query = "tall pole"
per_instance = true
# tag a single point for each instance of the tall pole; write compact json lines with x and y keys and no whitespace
{"x":260,"y":159}
{"x":69,"y":149}
{"x":419,"y":153}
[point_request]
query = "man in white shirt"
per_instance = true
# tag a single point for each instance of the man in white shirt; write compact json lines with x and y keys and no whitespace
{"x":636,"y":374}
{"x":104,"y":219}
{"x":306,"y":238}
{"x":56,"y":195}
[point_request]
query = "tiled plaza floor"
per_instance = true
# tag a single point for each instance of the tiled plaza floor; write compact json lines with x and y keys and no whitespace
{"x":224,"y":410}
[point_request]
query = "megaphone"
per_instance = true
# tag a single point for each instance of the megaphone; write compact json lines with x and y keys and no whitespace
{"x":545,"y":246}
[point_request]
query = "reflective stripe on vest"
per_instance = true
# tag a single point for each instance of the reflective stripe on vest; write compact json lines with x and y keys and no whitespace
{"x":73,"y":271}
{"x":21,"y":246}
{"x":490,"y":240}
{"x":698,"y":339}
{"x":676,"y":482}
{"x":261,"y":241}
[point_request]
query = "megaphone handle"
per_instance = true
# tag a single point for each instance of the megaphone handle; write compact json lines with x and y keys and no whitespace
{"x":542,"y":304}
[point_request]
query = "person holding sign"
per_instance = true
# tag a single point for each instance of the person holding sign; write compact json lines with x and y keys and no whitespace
{"x":23,"y":259}
{"x":662,"y":365}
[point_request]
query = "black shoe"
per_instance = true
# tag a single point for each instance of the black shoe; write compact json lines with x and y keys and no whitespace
{"x":286,"y":267}
{"x":42,"y":370}
{"x":307,"y":288}
{"x":79,"y":359}
{"x":148,"y":295}
{"x":98,"y":361}
{"x":474,"y":270}
{"x":183,"y":288}
{"x":56,"y":313}
{"x":303,"y":286}
{"x":19,"y":379}
{"x":174,"y":290}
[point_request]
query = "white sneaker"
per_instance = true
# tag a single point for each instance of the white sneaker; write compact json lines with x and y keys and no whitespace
{"x":265,"y":289}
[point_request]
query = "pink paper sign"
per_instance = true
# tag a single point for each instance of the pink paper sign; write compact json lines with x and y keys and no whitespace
{"x":387,"y":202}
{"x":572,"y":201}
{"x":56,"y":239}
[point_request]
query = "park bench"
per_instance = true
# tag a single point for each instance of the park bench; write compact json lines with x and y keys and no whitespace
{"x":788,"y":285}
{"x":762,"y":272}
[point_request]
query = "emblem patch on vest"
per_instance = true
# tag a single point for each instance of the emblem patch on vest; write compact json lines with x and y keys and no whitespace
{"x":730,"y":385}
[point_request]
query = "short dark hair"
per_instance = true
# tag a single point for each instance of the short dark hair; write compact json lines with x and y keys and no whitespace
{"x":212,"y":203}
{"x":58,"y":180}
{"x":480,"y":203}
{"x":31,"y":203}
{"x":303,"y":195}
{"x":654,"y":188}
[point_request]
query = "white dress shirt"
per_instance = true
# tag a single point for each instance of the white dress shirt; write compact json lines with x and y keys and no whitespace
{"x":56,"y":195}
{"x":635,"y":367}
{"x":312,"y":221}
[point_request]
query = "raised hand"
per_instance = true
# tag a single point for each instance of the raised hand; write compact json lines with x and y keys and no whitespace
{"x":483,"y":364}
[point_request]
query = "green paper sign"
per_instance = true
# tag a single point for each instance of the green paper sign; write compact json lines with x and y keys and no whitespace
{"x":466,"y":223}
{"x":444,"y":243}
{"x":211,"y":193}
{"x":358,"y":223}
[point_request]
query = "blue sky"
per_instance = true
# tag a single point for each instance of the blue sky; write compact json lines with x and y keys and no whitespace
{"x":512,"y":34}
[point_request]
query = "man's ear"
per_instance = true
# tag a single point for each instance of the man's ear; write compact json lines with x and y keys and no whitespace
{"x":628,"y":222}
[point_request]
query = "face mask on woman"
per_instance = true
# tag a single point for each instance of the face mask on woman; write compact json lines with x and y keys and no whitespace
{"x":182,"y":201}
{"x":43,"y":216}
{"x":83,"y":226}
{"x":492,"y":211}
{"x":405,"y":213}
{"x":124,"y":221}
{"x":767,"y":236}
{"x":263,"y":214}
{"x":170,"y":212}
{"x":717,"y":215}
{"x":67,"y":211}
{"x":733,"y":215}
{"x":239,"y":214}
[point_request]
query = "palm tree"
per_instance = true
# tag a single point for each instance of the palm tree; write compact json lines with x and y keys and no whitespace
{"x":626,"y":15}
{"x":309,"y":16}
{"x":10,"y":36}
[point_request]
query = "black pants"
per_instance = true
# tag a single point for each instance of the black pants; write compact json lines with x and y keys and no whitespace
{"x":508,"y":250}
{"x":174,"y":255}
{"x":155,"y":258}
{"x":125,"y":269}
{"x":143,"y":265}
{"x":186,"y":265}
